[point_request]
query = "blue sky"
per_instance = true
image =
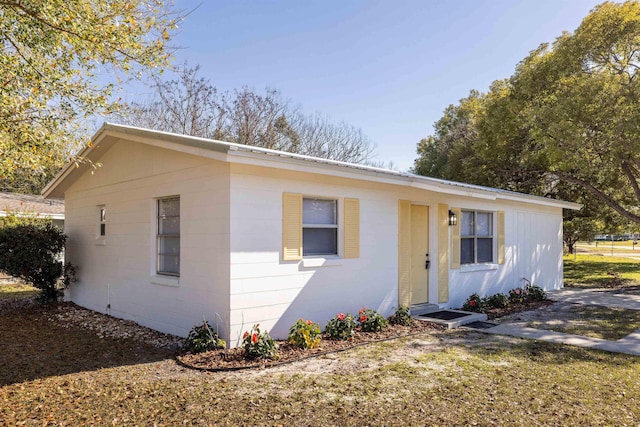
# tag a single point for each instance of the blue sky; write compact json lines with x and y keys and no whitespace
{"x":387,"y":67}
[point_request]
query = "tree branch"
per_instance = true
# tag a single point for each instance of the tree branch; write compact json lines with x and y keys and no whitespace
{"x":608,"y":200}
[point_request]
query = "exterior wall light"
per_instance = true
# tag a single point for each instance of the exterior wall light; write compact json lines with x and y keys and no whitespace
{"x":453,"y":218}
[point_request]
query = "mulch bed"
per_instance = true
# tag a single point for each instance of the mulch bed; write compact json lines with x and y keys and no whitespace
{"x":495,"y":313}
{"x":233,"y":359}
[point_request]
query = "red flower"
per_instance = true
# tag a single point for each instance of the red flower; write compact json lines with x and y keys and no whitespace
{"x":309,"y":322}
{"x":517,"y":291}
{"x":340,"y":316}
{"x":472,"y":303}
{"x":246,"y":334}
{"x":363,"y":318}
{"x":254,"y":338}
{"x":361,"y":311}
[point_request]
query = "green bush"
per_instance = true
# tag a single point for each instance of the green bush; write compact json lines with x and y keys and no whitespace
{"x":473,"y":303}
{"x":305,"y":334}
{"x":371,"y":321}
{"x":201,"y":338}
{"x":259,"y":345}
{"x":402,"y":317}
{"x":535,"y":293}
{"x":341,"y":327}
{"x":31,"y":251}
{"x":517,"y":296}
{"x":496,"y":301}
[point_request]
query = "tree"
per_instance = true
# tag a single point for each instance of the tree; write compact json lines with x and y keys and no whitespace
{"x":567,"y":120}
{"x":31,"y":250}
{"x":60,"y":63}
{"x":191,"y":105}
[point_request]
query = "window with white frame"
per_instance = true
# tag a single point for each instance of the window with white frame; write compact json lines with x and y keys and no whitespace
{"x":319,"y":226}
{"x":476,"y":237}
{"x":102,"y":218}
{"x":168,"y":236}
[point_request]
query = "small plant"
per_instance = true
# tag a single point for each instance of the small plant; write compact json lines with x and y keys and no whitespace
{"x":402,"y":317}
{"x":305,"y":334}
{"x":202,"y":338}
{"x":533,"y":292}
{"x":259,"y":345}
{"x":496,"y":301}
{"x":473,"y":303}
{"x":341,"y":327}
{"x":371,"y":321}
{"x":517,"y":296}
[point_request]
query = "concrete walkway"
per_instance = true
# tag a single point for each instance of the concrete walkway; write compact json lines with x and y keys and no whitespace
{"x":605,"y":297}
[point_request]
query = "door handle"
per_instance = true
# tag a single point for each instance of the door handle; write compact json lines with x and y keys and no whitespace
{"x":427,"y":262}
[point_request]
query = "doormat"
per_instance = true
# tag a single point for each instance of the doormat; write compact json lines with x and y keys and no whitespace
{"x":444,"y":315}
{"x":480,"y":325}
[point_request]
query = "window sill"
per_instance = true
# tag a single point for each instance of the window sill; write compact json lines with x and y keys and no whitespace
{"x":478,"y":267}
{"x":321,"y":262}
{"x":157,"y":279}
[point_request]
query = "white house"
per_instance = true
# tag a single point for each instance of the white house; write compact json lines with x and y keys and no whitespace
{"x":30,"y":205}
{"x":174,"y":228}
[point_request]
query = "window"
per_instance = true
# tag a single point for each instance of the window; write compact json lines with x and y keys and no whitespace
{"x":476,"y":237}
{"x":319,"y":226}
{"x":102,"y":212}
{"x":168,"y":236}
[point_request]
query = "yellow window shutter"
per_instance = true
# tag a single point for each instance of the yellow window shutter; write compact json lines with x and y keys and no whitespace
{"x":351,"y":228}
{"x":404,"y":253}
{"x":501,"y":242}
{"x":291,"y":226}
{"x":455,"y":239}
{"x":443,"y":253}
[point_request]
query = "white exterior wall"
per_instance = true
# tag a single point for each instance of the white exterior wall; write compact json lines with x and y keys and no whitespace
{"x":275,"y":293}
{"x":266,"y":290}
{"x":120,"y":272}
{"x":533,"y":250}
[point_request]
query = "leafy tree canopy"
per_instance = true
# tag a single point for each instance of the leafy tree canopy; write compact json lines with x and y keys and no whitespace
{"x":59,"y":65}
{"x":566,"y":124}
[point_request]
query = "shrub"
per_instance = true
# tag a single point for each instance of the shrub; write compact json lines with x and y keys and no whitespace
{"x":371,"y":321}
{"x":535,"y":293}
{"x":305,"y":334}
{"x":496,"y":301}
{"x":473,"y":303}
{"x":31,"y":250}
{"x":402,"y":317}
{"x":259,"y":345}
{"x":517,"y":296}
{"x":341,"y":327}
{"x":202,"y":338}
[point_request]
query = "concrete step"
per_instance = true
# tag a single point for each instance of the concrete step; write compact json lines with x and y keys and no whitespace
{"x":450,"y":318}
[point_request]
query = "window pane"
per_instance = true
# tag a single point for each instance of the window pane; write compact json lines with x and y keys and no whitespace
{"x":169,"y":264}
{"x":484,"y":224}
{"x":169,"y":225}
{"x":485,"y":250}
{"x":169,"y":245}
{"x":318,"y":211}
{"x":320,"y":241}
{"x":169,"y":207}
{"x":466,"y":226}
{"x":466,"y":251}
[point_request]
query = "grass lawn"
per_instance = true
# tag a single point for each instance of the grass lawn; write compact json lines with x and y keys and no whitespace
{"x":592,"y":271}
{"x":608,"y":323}
{"x":17,"y":291}
{"x":56,"y":376}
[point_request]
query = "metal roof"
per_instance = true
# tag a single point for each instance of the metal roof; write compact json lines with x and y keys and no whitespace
{"x":230,"y":148}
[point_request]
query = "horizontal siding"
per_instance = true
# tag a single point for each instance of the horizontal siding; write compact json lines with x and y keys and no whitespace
{"x":120,"y":271}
